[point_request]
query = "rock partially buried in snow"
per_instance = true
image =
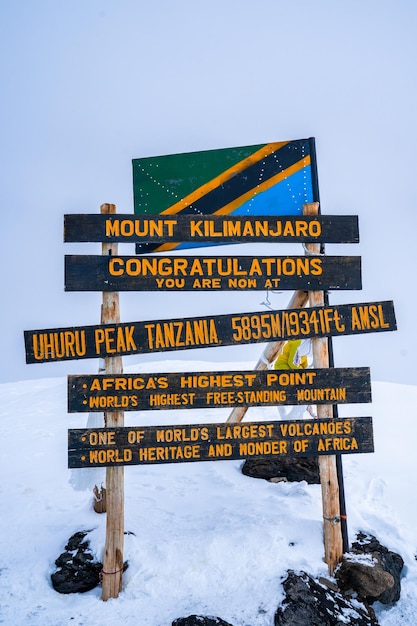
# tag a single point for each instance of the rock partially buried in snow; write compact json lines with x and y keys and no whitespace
{"x":311,"y":603}
{"x":364,"y":575}
{"x":200,"y":620}
{"x":371,"y":570}
{"x":285,"y":469}
{"x":77,"y":572}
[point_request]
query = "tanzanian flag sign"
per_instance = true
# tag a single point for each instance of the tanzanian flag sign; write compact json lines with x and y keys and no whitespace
{"x":265,"y":179}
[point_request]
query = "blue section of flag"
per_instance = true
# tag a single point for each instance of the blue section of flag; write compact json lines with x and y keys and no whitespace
{"x":284,"y":198}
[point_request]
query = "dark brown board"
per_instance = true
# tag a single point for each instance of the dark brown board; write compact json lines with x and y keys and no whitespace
{"x":213,"y":442}
{"x":210,"y":228}
{"x":198,"y":390}
{"x":86,"y":342}
{"x":211,"y":273}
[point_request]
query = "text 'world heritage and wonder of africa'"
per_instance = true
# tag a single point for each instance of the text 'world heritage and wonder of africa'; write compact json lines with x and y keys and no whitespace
{"x":209,"y":442}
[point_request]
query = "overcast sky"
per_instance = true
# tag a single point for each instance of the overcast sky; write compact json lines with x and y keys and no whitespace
{"x":87,"y":86}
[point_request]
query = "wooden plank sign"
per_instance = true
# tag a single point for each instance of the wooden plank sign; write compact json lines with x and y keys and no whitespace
{"x":199,"y":273}
{"x":197,"y":390}
{"x":213,"y":442}
{"x":210,"y":229}
{"x":84,"y":342}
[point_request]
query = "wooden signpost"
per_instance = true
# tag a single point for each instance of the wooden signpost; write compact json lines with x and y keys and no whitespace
{"x":114,"y":418}
{"x":86,"y":342}
{"x":329,"y":479}
{"x":146,"y":445}
{"x":254,"y":174}
{"x":197,"y":390}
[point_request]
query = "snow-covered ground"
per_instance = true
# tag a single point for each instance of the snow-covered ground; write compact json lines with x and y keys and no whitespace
{"x":206,"y":539}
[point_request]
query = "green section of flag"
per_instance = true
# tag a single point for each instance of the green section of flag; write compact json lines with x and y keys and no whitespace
{"x":161,"y":181}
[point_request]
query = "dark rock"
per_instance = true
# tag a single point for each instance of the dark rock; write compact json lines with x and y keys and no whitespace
{"x":199,"y":620}
{"x":364,"y":575}
{"x":82,"y":558}
{"x":76,"y":580}
{"x":76,"y":541}
{"x":310,"y":603}
{"x":367,"y":543}
{"x":63,"y":559}
{"x":77,"y":571}
{"x":379,"y":579}
{"x":286,"y":468}
{"x":393,"y":564}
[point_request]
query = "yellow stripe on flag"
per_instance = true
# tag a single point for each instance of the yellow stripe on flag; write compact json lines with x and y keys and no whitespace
{"x":260,"y":154}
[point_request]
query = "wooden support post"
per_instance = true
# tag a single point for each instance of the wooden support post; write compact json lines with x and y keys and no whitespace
{"x":298,"y":300}
{"x":333,"y":543}
{"x":113,"y":549}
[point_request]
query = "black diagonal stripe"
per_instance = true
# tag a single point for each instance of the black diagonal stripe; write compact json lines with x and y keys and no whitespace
{"x":249,"y":178}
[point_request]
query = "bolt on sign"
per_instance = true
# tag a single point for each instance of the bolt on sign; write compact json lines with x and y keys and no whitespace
{"x":211,"y":229}
{"x":264,"y":179}
{"x":214,"y":442}
{"x":197,"y":390}
{"x":199,"y":273}
{"x":86,"y":342}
